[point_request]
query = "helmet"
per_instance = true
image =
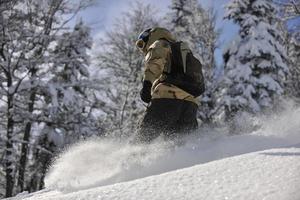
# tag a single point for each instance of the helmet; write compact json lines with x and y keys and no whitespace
{"x":149,"y":36}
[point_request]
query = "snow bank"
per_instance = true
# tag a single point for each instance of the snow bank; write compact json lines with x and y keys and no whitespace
{"x":97,"y":163}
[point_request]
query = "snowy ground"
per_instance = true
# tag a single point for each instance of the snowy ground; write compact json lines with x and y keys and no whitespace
{"x":270,"y":175}
{"x":262,"y":165}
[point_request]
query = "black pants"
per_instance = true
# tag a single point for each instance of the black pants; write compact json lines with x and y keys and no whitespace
{"x":169,"y":118}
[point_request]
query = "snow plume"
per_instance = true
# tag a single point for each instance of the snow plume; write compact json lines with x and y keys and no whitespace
{"x":103,"y":162}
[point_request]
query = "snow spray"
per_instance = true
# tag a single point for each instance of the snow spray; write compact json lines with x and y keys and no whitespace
{"x":96,"y":163}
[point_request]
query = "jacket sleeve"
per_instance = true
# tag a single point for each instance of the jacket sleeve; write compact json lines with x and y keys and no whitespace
{"x":156,"y":60}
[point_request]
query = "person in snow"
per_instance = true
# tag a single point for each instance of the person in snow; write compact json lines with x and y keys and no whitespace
{"x":172,"y":80}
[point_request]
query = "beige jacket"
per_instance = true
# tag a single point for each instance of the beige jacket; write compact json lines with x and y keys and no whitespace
{"x":157,"y":61}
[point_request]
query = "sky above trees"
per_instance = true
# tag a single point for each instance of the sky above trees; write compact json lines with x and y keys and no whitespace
{"x":102,"y":15}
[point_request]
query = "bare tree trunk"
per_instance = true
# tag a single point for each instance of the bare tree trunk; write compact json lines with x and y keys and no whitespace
{"x":45,"y":164}
{"x":9,"y":145}
{"x":26,"y":138}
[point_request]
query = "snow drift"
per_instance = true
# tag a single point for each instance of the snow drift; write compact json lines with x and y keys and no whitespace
{"x":103,"y":162}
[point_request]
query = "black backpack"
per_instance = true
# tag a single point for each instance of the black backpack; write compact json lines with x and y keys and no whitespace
{"x":186,"y":70}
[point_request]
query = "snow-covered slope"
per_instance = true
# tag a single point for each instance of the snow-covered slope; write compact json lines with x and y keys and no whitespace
{"x":271,"y":175}
{"x":262,"y":165}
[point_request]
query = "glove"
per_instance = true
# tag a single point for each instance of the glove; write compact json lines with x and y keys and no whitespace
{"x":145,"y":93}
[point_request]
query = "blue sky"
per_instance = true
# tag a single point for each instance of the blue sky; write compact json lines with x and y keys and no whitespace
{"x":101,"y":17}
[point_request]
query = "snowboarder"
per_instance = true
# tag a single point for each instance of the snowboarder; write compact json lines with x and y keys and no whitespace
{"x":172,"y":81}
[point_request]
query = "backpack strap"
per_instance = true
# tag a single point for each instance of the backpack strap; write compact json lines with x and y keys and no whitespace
{"x":185,"y":50}
{"x":176,"y":59}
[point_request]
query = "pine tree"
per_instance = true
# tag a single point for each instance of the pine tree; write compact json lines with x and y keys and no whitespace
{"x":191,"y":23}
{"x":256,"y":61}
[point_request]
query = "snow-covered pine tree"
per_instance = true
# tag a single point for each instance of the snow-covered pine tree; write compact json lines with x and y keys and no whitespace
{"x":289,"y":9}
{"x":29,"y":31}
{"x":121,"y":66}
{"x":293,"y":80}
{"x":289,"y":12}
{"x":68,"y":114}
{"x":256,"y":61}
{"x":191,"y":23}
{"x":71,"y":105}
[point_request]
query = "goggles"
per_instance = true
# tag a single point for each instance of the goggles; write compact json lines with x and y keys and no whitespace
{"x":143,"y":38}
